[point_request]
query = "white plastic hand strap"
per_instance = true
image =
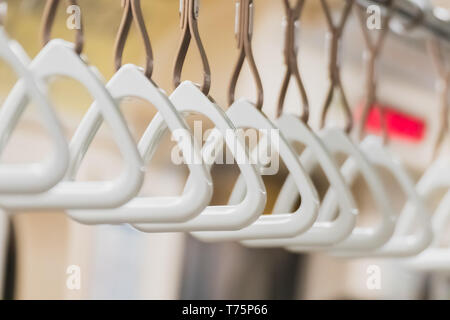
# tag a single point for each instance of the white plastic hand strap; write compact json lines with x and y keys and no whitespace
{"x":316,"y":153}
{"x":58,"y":58}
{"x":244,"y":115}
{"x":36,"y":177}
{"x":361,"y":237}
{"x":130,"y":81}
{"x":435,"y":178}
{"x":188,"y":99}
{"x":401,"y":244}
{"x":435,"y":258}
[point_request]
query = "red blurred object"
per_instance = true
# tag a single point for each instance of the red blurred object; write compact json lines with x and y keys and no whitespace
{"x":400,"y":126}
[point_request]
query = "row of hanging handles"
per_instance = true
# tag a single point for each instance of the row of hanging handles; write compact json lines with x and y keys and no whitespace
{"x":328,"y":224}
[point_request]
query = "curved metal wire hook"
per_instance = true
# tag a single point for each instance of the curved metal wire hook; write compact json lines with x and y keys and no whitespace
{"x":189,"y":10}
{"x":443,"y":71}
{"x":371,"y":55}
{"x":335,"y":34}
{"x":244,"y":30}
{"x":290,"y":56}
{"x":132,"y":12}
{"x":49,"y":18}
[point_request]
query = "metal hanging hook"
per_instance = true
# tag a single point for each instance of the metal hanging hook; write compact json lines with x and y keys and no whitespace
{"x":189,"y":12}
{"x":244,"y":31}
{"x":371,"y":55}
{"x":443,"y":87}
{"x":132,"y":12}
{"x":49,"y":18}
{"x":334,"y":68}
{"x":291,"y":24}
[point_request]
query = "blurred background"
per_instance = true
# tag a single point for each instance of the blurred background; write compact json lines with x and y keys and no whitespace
{"x":117,"y":262}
